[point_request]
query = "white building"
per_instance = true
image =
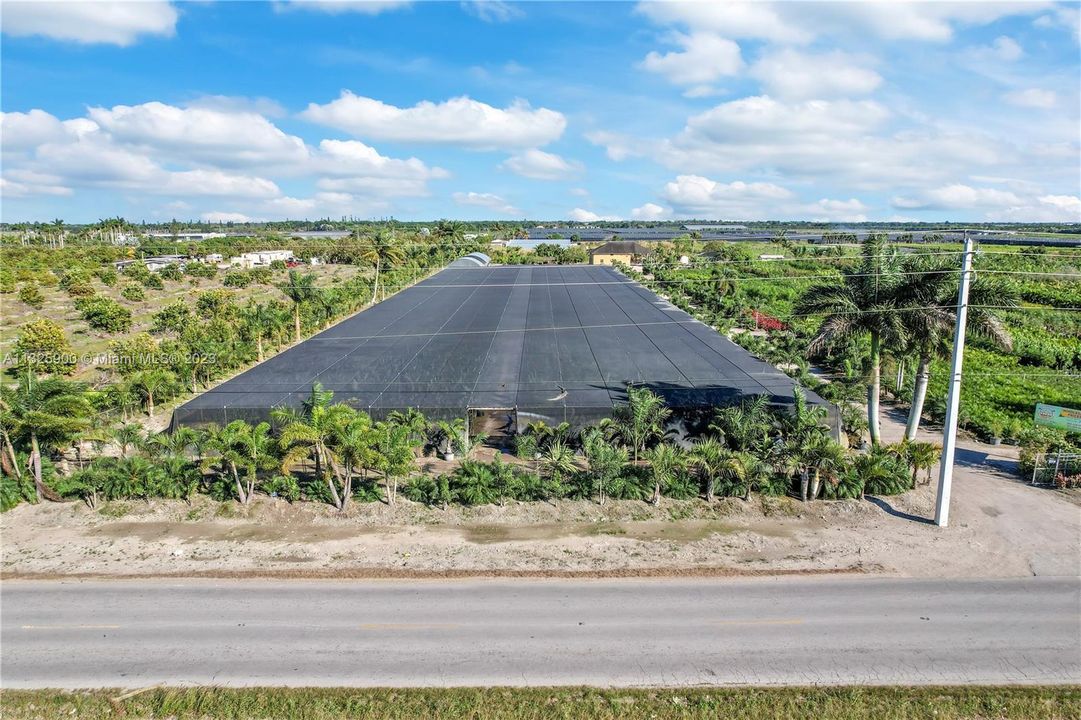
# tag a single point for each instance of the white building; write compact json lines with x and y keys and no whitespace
{"x":260,"y":258}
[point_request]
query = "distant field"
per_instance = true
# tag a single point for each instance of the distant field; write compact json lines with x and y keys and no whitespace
{"x":949,"y":703}
{"x":59,"y":306}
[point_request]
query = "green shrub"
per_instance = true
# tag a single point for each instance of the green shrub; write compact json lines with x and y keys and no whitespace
{"x":134,"y":293}
{"x":283,"y":486}
{"x":171,"y":272}
{"x":152,"y":281}
{"x":31,"y":295}
{"x":236,"y":279}
{"x":108,"y":277}
{"x":200,"y":270}
{"x":105,"y":314}
{"x":882,"y":472}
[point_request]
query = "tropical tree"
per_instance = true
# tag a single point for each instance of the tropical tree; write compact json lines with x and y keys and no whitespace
{"x":639,"y":421}
{"x":745,"y":427}
{"x":412,"y":420}
{"x":44,"y":414}
{"x":557,"y":462}
{"x":820,"y":456}
{"x":354,"y":440}
{"x":607,"y":462}
{"x":261,"y":321}
{"x":127,"y":435}
{"x":395,"y":445}
{"x":379,"y":248}
{"x":665,"y":461}
{"x":150,"y":384}
{"x":931,"y":289}
{"x":919,"y":456}
{"x":866,"y":303}
{"x":316,"y":436}
{"x":299,"y":288}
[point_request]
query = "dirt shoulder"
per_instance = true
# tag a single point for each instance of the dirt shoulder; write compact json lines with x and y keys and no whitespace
{"x":999,"y":526}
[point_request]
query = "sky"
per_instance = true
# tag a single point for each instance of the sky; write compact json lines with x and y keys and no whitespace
{"x":841,"y":112}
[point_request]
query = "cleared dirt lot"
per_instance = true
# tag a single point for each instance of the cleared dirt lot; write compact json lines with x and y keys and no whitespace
{"x":999,"y":527}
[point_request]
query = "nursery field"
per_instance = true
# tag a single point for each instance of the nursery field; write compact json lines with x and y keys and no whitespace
{"x":1002,"y":385}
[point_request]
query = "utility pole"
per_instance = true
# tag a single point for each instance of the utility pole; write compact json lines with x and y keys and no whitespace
{"x":953,"y":401}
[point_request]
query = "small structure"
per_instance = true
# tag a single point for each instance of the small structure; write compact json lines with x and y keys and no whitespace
{"x":261,"y":258}
{"x":628,"y":252}
{"x":153,"y":264}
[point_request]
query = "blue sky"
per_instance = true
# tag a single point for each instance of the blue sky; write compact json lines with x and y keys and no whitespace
{"x":758,"y":110}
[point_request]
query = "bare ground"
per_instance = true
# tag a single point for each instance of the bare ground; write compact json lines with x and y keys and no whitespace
{"x":999,"y":526}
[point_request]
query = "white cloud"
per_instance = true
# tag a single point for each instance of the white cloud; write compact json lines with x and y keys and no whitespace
{"x":617,"y":146}
{"x":159,"y":149}
{"x":337,"y":7}
{"x":582,"y":215}
{"x":752,"y":20}
{"x":698,"y":196}
{"x":705,"y":57}
{"x":458,"y":121}
{"x":1026,"y":204}
{"x":1003,"y":49}
{"x":239,"y":104}
{"x":486,"y":200}
{"x":214,"y":136}
{"x":225,"y":217}
{"x":791,"y":74}
{"x":114,"y":23}
{"x":801,"y":22}
{"x":1066,"y":17}
{"x":957,"y":197}
{"x":650,"y":211}
{"x":826,"y":210}
{"x":579,"y":192}
{"x":1032,"y":98}
{"x":842,"y":140}
{"x":703,"y":91}
{"x":493,"y":11}
{"x":25,"y":131}
{"x":541,"y":165}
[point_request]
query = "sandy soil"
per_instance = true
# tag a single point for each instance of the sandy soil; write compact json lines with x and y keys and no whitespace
{"x":999,"y":526}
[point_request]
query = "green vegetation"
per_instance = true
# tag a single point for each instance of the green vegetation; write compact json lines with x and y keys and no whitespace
{"x":863,"y":316}
{"x":839,"y":703}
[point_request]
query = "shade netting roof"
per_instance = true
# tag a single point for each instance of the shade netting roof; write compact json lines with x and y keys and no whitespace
{"x":554,"y":342}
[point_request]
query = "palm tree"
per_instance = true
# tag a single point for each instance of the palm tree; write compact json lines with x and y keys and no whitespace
{"x":745,"y":427}
{"x":299,"y":288}
{"x":355,"y":441}
{"x":261,"y":322}
{"x":127,"y":435}
{"x":380,"y":249}
{"x":920,"y":456}
{"x":558,"y":462}
{"x":317,"y":436}
{"x":251,"y":447}
{"x":412,"y":420}
{"x":638,"y":421}
{"x":47,"y":413}
{"x":709,"y":456}
{"x":865,"y":304}
{"x":606,"y":461}
{"x":821,"y":455}
{"x":664,"y":462}
{"x":176,"y":444}
{"x":151,"y":383}
{"x":394,"y":445}
{"x":933,"y":288}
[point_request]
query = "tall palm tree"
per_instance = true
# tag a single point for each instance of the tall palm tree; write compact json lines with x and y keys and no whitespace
{"x":933,"y":287}
{"x":317,"y":436}
{"x":261,"y":322}
{"x":381,"y":249}
{"x":251,"y":447}
{"x":394,"y":458}
{"x":639,"y":421}
{"x":44,"y":414}
{"x":865,"y":304}
{"x":299,"y":288}
{"x":151,"y":383}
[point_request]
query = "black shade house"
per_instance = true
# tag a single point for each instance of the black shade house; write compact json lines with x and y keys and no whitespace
{"x":504,"y":346}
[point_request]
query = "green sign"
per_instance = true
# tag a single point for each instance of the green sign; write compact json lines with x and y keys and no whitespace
{"x":1058,"y":417}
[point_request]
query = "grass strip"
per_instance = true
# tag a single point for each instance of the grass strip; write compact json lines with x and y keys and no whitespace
{"x":571,"y":703}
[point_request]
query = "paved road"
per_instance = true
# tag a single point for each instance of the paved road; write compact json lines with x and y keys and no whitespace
{"x":487,"y":632}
